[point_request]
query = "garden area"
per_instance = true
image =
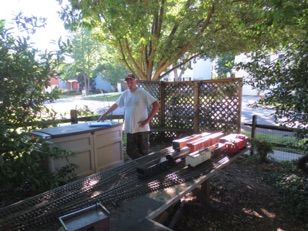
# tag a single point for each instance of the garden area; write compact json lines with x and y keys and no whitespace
{"x":250,"y":196}
{"x":109,"y":39}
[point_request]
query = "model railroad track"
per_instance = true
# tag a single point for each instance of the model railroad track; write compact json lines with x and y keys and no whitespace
{"x":43,"y":210}
{"x":30,"y":212}
{"x":110,"y":188}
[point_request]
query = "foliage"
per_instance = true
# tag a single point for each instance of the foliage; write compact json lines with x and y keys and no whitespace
{"x":225,"y":65}
{"x":85,"y":55}
{"x":153,"y":38}
{"x":90,"y":59}
{"x":292,"y":183}
{"x":22,"y":166}
{"x":85,"y":111}
{"x":110,"y":68}
{"x":24,"y":74}
{"x":263,"y":148}
{"x":285,"y":81}
{"x":69,"y":93}
{"x":284,"y":78}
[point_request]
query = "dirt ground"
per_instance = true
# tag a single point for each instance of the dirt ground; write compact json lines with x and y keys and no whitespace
{"x":239,"y":200}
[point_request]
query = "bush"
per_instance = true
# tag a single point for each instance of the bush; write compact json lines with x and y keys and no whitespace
{"x":292,"y":184}
{"x":290,"y":181}
{"x":22,"y":166}
{"x":24,"y":76}
{"x":263,"y":148}
{"x":69,"y":92}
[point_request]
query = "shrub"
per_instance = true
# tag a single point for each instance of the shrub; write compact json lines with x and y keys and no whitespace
{"x":263,"y":148}
{"x":292,"y":184}
{"x":22,"y":166}
{"x":24,"y":76}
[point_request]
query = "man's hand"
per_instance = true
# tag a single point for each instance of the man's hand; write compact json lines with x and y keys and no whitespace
{"x":101,"y":118}
{"x":111,"y":109}
{"x":143,"y":123}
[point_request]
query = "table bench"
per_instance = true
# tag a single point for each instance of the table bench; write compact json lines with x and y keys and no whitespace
{"x":139,"y":213}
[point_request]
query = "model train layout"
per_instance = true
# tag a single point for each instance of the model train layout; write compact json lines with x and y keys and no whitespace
{"x":194,"y":150}
{"x":191,"y":160}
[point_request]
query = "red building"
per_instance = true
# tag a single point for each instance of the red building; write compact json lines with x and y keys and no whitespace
{"x":72,"y":85}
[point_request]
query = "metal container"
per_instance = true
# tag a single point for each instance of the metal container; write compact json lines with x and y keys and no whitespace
{"x":94,"y":148}
{"x":95,"y":217}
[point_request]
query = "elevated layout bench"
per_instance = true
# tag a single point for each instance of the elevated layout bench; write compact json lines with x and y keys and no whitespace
{"x":133,"y":203}
{"x":139,"y":213}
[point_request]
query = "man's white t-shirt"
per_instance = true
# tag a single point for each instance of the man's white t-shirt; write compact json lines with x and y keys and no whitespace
{"x":135,"y":109}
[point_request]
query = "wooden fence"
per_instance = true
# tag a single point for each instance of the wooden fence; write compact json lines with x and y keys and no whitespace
{"x":283,"y":139}
{"x":190,"y":107}
{"x":196,"y":106}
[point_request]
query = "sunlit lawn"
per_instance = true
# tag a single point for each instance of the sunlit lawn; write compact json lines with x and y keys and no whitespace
{"x":280,"y":142}
{"x":109,"y":97}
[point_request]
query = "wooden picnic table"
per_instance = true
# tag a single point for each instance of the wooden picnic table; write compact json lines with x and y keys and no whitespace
{"x":139,"y":213}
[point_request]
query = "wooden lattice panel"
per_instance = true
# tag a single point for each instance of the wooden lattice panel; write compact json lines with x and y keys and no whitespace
{"x":179,"y":99}
{"x":153,"y":87}
{"x":219,"y":106}
{"x":196,"y":106}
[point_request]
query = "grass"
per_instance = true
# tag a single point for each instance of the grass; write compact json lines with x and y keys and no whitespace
{"x":109,"y":97}
{"x":69,"y":95}
{"x":280,"y":142}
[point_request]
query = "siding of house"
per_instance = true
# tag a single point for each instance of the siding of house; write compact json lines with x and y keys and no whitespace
{"x":53,"y":83}
{"x":246,"y":89}
{"x":202,"y":69}
{"x":72,"y":85}
{"x":103,"y":85}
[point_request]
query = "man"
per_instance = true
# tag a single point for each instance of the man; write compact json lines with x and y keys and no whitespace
{"x":136,"y":117}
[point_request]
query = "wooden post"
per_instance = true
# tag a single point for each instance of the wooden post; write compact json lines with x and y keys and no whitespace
{"x":74,"y":117}
{"x":196,"y":107}
{"x":206,"y":190}
{"x":253,"y":132}
{"x":202,"y":192}
{"x":162,"y":96}
{"x":239,"y":90}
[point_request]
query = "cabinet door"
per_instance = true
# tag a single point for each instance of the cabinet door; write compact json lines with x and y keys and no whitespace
{"x":108,"y":148}
{"x":83,"y":154}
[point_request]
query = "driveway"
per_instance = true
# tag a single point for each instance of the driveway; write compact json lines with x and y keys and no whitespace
{"x":264,"y":116}
{"x":63,"y":107}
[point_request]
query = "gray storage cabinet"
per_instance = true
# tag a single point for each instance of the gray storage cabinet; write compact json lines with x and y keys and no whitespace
{"x":94,"y":148}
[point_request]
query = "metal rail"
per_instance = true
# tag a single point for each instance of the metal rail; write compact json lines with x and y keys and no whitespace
{"x":110,"y":187}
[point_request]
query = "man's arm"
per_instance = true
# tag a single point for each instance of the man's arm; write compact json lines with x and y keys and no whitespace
{"x":111,"y":109}
{"x":154,"y":110}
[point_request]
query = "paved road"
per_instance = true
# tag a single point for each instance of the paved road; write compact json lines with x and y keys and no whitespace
{"x":264,"y":116}
{"x":62,"y":106}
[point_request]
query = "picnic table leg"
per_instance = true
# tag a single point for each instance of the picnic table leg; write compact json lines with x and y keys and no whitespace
{"x":202,"y":193}
{"x":205,"y":190}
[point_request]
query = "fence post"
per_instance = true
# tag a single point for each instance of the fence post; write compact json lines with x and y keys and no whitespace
{"x":196,"y":107}
{"x":253,"y":132}
{"x":74,"y":118}
{"x":162,"y":90}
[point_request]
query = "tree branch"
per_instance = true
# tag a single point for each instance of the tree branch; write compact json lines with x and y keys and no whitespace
{"x":179,"y":65}
{"x":207,"y":21}
{"x":136,"y":67}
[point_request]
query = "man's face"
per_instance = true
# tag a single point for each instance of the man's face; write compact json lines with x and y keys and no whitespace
{"x":131,"y":84}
